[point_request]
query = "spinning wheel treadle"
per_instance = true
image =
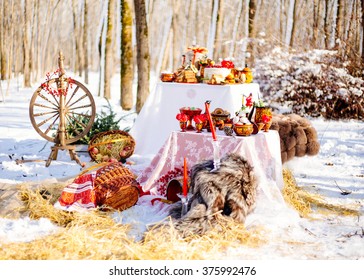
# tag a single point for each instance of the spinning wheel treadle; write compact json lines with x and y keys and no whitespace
{"x":51,"y":114}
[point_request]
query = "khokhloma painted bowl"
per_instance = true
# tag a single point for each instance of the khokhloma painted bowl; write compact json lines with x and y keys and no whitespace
{"x":243,"y":129}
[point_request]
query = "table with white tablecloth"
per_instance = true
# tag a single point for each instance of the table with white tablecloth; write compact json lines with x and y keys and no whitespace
{"x":157,"y":119}
{"x":262,"y":151}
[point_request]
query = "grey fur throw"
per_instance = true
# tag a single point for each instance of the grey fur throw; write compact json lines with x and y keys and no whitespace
{"x":229,"y":192}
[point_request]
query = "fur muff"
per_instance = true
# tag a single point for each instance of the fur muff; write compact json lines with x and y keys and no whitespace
{"x":297,"y":136}
{"x":229,"y":192}
{"x":300,"y":135}
{"x":301,"y":150}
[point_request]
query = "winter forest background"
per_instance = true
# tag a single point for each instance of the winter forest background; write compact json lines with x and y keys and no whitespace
{"x":136,"y":39}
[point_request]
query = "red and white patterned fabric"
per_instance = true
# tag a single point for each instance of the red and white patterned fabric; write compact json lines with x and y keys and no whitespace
{"x":261,"y":150}
{"x":78,"y":195}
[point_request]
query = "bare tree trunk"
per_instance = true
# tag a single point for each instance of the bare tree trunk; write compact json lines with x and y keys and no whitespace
{"x":326,"y":25}
{"x":126,"y":61}
{"x":32,"y":44}
{"x":108,"y":49}
{"x":362,"y":25}
{"x":77,"y":38}
{"x":51,"y":7}
{"x":166,"y":53}
{"x":294,"y":20}
{"x":3,"y":60}
{"x":26,"y":44}
{"x":143,"y":56}
{"x":11,"y":46}
{"x":350,"y":44}
{"x":358,"y":33}
{"x":176,"y":34}
{"x":164,"y":42}
{"x":235,"y":29}
{"x":339,"y":23}
{"x":212,"y":30}
{"x":101,"y":46}
{"x":85,"y":41}
{"x":282,"y":16}
{"x":218,"y":43}
{"x":251,"y":44}
{"x":316,"y":18}
{"x":38,"y":44}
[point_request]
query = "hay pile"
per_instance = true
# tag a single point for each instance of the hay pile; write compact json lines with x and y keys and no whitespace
{"x":305,"y":202}
{"x":96,"y":236}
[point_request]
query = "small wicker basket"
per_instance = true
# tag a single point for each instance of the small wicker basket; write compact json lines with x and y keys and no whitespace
{"x":115,"y":186}
{"x":112,"y":144}
{"x":119,"y":194}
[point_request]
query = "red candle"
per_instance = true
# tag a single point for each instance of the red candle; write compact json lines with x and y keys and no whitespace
{"x":185,"y":177}
{"x":212,"y":127}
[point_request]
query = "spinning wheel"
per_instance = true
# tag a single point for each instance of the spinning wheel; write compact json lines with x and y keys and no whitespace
{"x":59,"y":104}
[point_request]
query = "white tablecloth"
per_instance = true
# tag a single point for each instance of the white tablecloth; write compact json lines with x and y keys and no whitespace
{"x":157,"y":118}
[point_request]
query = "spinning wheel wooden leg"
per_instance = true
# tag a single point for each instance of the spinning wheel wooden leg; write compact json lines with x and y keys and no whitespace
{"x":71,"y":149}
{"x":74,"y":156}
{"x":53,"y":156}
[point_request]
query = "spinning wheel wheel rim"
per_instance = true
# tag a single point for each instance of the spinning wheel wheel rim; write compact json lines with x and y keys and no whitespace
{"x":45,"y":110}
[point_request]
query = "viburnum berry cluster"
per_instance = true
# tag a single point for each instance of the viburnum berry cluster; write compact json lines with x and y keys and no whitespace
{"x":56,"y":91}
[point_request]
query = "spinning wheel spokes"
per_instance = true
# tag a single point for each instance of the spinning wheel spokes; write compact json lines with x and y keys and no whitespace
{"x":62,"y":111}
{"x":79,"y":108}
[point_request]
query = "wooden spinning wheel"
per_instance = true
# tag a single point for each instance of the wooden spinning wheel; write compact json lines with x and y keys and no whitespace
{"x":58,"y":104}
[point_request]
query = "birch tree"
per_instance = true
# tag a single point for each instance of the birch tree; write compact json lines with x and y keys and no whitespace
{"x":213,"y":26}
{"x":235,"y":28}
{"x":316,"y":19}
{"x":294,"y":25}
{"x":176,"y":27}
{"x":362,"y":28}
{"x":85,"y":30}
{"x":327,"y":25}
{"x":143,"y":55}
{"x":251,"y":27}
{"x":339,"y":23}
{"x":126,"y":60}
{"x":3,"y":36}
{"x":108,"y":49}
{"x":219,"y":22}
{"x":26,"y":43}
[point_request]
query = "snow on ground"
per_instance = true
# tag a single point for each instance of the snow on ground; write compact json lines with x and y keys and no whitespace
{"x":339,"y":166}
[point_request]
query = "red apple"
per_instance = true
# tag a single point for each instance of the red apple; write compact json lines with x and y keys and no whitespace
{"x":94,"y":150}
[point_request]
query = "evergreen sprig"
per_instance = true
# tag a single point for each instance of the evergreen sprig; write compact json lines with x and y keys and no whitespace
{"x":104,"y":121}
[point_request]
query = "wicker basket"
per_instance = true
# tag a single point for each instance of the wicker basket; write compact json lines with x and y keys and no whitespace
{"x":113,"y":144}
{"x":111,"y":172}
{"x":114,"y":186}
{"x":120,"y":193}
